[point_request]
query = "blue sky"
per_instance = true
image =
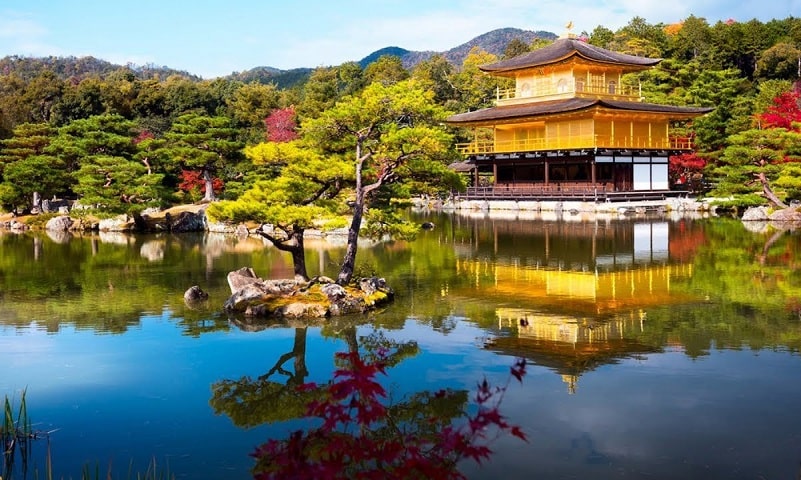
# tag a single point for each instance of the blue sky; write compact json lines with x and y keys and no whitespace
{"x":213,"y":38}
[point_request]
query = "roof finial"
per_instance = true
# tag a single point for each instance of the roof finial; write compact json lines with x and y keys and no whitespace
{"x":569,"y":30}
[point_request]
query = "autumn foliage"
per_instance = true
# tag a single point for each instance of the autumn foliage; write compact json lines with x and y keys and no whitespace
{"x":686,"y":170}
{"x":358,"y":439}
{"x":281,"y":125}
{"x":192,"y":180}
{"x":784,"y":112}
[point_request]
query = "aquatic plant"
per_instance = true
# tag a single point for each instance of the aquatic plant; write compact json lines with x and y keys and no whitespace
{"x":17,"y":436}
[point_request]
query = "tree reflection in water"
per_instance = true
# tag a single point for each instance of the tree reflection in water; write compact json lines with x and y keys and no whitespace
{"x":359,"y":433}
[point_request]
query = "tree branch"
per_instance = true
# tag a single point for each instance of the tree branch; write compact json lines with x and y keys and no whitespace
{"x":280,"y":244}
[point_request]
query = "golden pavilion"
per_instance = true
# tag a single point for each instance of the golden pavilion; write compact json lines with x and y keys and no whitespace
{"x":571,"y":127}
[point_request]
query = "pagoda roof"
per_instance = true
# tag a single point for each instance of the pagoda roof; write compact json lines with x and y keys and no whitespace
{"x":563,"y":49}
{"x":535,"y":109}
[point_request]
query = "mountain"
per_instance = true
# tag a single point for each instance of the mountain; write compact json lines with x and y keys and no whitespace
{"x":494,"y":42}
{"x":28,"y":68}
{"x":394,"y":51}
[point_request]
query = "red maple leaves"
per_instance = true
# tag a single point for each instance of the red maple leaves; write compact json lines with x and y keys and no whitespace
{"x":356,"y":438}
{"x":785,"y":112}
{"x":281,"y":125}
{"x":192,"y":180}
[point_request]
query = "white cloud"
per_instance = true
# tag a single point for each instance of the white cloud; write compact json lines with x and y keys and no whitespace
{"x":24,"y":36}
{"x":13,"y":25}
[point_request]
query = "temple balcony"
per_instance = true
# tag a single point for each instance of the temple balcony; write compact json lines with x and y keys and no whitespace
{"x":567,"y":142}
{"x":564,"y":89}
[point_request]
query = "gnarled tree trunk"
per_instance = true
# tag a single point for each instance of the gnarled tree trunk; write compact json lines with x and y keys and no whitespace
{"x":208,"y":181}
{"x":294,"y":245}
{"x":772,"y":198}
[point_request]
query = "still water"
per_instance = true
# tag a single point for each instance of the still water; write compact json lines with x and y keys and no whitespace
{"x":657,"y":348}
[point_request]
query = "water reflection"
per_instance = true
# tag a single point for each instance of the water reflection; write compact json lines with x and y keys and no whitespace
{"x":572,"y":296}
{"x":645,"y":320}
{"x":107,"y":281}
{"x":570,"y":346}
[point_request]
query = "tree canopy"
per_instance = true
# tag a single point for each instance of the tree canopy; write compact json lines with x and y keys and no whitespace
{"x":189,"y":133}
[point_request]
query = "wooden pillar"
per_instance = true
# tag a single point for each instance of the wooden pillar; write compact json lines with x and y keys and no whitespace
{"x":547,"y":173}
{"x":631,"y":133}
{"x":612,"y":139}
{"x":667,"y":136}
{"x":495,"y":172}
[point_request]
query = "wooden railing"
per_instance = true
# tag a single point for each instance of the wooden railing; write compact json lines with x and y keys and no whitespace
{"x":564,"y":191}
{"x":574,"y":89}
{"x":573,"y":142}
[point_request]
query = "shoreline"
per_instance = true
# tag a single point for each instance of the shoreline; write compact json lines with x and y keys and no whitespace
{"x":568,"y":209}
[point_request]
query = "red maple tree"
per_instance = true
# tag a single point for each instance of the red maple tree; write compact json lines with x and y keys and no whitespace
{"x":281,"y":125}
{"x":686,"y":171}
{"x":192,"y":180}
{"x":785,"y":112}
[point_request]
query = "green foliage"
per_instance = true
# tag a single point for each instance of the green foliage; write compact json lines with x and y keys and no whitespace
{"x":43,"y":174}
{"x":515,"y":48}
{"x":320,"y":92}
{"x":692,"y":41}
{"x":250,"y":104}
{"x":739,"y":201}
{"x":399,"y":125}
{"x":475,"y":89}
{"x":28,"y":139}
{"x":736,"y":67}
{"x":639,"y":37}
{"x":788,"y":179}
{"x":768,"y":90}
{"x":601,"y":37}
{"x":383,"y":129}
{"x":388,"y":69}
{"x":25,"y":169}
{"x":779,"y":62}
{"x":99,"y":153}
{"x":434,"y":74}
{"x":304,"y":192}
{"x":208,"y":145}
{"x":754,"y":153}
{"x":117,"y":185}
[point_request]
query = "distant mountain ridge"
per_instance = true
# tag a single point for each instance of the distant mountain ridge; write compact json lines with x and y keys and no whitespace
{"x":494,"y":42}
{"x":28,"y":68}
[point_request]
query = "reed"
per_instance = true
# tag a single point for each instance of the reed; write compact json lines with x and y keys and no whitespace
{"x":17,"y":435}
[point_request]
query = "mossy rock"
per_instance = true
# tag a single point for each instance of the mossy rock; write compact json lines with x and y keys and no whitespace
{"x":271,"y":299}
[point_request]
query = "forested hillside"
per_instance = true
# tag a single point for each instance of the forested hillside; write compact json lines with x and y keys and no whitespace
{"x":28,"y":68}
{"x":76,"y":127}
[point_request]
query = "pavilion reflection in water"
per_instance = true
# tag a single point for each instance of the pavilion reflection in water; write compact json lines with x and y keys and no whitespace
{"x":572,"y":296}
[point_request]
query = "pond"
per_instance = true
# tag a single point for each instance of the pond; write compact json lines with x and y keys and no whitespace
{"x":657,"y":347}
